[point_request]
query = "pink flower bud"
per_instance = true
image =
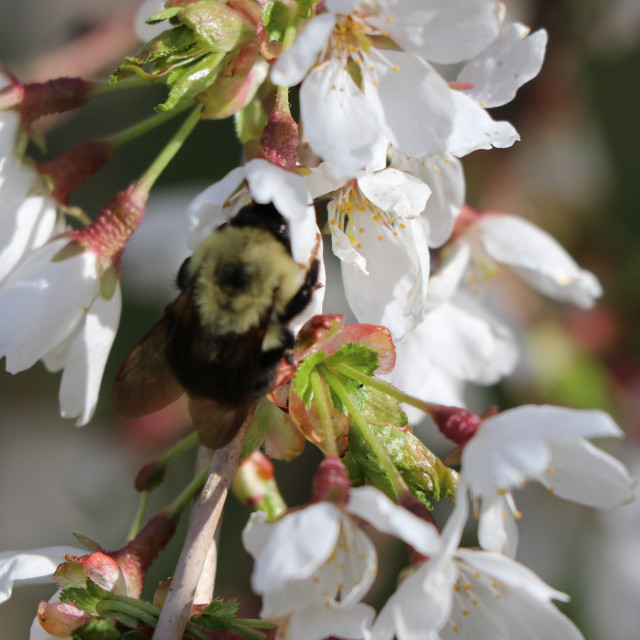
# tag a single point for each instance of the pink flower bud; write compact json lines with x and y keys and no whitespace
{"x":459,"y":425}
{"x":331,"y":482}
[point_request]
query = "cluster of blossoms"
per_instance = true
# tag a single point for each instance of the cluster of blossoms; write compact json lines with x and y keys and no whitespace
{"x":392,"y":94}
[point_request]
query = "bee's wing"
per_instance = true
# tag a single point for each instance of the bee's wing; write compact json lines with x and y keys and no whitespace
{"x":145,"y":383}
{"x":217,"y":423}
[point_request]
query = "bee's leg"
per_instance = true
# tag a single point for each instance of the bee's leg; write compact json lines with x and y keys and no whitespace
{"x":302,"y":298}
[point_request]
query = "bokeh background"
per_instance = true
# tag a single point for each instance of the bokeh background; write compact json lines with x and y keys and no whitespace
{"x":575,"y":173}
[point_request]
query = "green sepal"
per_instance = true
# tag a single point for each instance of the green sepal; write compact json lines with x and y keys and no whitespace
{"x":215,"y":26}
{"x":266,"y":413}
{"x":358,"y":356}
{"x":305,"y":9}
{"x":276,"y":18}
{"x":70,"y":250}
{"x":301,"y":380}
{"x":108,"y":282}
{"x":191,"y":81}
{"x":165,"y":14}
{"x":87,"y":542}
{"x":98,"y":592}
{"x":250,"y":122}
{"x":160,"y":50}
{"x":81,"y":598}
{"x":103,"y":629}
{"x":218,"y":616}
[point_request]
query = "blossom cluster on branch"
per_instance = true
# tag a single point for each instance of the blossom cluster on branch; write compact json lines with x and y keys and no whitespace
{"x":392,"y":94}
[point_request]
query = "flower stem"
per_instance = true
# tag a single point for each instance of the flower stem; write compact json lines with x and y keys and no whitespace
{"x":381,"y":385}
{"x":247,"y":631}
{"x":102,"y":88}
{"x":137,"y":522}
{"x":319,"y":394}
{"x":385,"y":461}
{"x":189,"y":492}
{"x":179,"y":448}
{"x":142,"y":127}
{"x":166,"y":155}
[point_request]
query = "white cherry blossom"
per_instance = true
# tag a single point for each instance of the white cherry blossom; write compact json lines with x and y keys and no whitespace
{"x":362,"y":89}
{"x":35,"y":566}
{"x":547,"y":444}
{"x":444,"y":176}
{"x":532,"y":253}
{"x":264,"y":182}
{"x":375,"y":231}
{"x":53,"y":311}
{"x":493,"y":78}
{"x":314,"y":565}
{"x":27,"y":213}
{"x":465,"y":593}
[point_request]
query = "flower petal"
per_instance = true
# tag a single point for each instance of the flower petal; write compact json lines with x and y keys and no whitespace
{"x":87,"y":358}
{"x":444,"y":32}
{"x":418,"y":126}
{"x":500,"y":70}
{"x":42,"y":302}
{"x":538,"y":258}
{"x":473,"y":128}
{"x":374,"y":507}
{"x":33,"y":567}
{"x":513,"y":446}
{"x":393,"y":293}
{"x":583,"y":473}
{"x":292,"y":66}
{"x":341,"y":124}
{"x":298,"y":544}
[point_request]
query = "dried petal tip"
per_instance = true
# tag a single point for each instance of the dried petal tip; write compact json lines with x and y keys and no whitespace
{"x":459,"y":425}
{"x":280,"y":140}
{"x":331,"y":482}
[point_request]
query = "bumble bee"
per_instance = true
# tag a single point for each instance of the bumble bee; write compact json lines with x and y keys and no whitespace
{"x":221,"y":340}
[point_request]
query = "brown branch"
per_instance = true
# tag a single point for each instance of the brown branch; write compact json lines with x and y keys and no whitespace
{"x":204,"y":521}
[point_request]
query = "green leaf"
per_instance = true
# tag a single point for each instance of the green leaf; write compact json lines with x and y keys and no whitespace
{"x":165,"y":14}
{"x":265,"y":414}
{"x":301,"y":381}
{"x":193,"y":80}
{"x":364,"y":457}
{"x":216,"y":27}
{"x":251,"y":121}
{"x":81,"y":598}
{"x":382,"y":410}
{"x":358,"y":356}
{"x":218,"y":616}
{"x":104,"y":629}
{"x":97,"y":591}
{"x":354,"y":389}
{"x":135,"y":635}
{"x":168,"y":43}
{"x":275,"y":18}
